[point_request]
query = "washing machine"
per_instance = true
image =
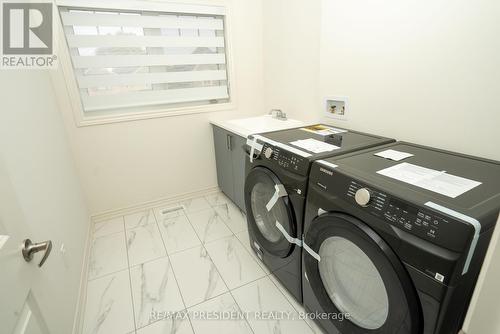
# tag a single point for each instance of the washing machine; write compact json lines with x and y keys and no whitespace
{"x":276,"y":182}
{"x":394,"y":238}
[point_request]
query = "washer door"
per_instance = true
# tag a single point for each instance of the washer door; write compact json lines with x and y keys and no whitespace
{"x":260,"y":187}
{"x":358,"y":274}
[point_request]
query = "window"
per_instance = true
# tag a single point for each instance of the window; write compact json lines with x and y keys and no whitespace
{"x":137,"y":60}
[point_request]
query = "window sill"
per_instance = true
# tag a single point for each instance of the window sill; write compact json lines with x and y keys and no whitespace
{"x":170,"y":112}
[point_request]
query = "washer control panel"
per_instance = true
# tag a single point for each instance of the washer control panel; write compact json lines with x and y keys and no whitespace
{"x":285,"y":159}
{"x":421,"y":222}
{"x":412,"y":219}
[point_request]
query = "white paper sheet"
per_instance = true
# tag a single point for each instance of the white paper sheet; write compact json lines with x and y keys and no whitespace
{"x":323,"y":130}
{"x":449,"y":185}
{"x":430,"y":179}
{"x":315,"y":146}
{"x":394,"y":155}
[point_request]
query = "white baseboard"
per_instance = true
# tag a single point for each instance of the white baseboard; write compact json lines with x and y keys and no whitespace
{"x":82,"y":293}
{"x":106,"y":215}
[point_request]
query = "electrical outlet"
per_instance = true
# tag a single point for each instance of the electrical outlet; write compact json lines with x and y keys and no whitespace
{"x":336,"y":107}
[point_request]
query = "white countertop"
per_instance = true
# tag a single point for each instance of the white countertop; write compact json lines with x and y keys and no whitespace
{"x":247,"y":126}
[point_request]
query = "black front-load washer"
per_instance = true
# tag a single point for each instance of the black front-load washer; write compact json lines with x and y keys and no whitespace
{"x":275,"y":189}
{"x":396,"y":246}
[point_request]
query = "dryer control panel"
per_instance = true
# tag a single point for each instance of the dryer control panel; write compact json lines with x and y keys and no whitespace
{"x":416,"y":220}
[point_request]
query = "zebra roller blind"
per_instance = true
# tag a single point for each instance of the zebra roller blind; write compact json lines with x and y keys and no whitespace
{"x":136,"y":58}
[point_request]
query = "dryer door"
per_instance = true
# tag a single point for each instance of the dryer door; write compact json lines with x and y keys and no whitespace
{"x":269,"y":214}
{"x":353,"y":271}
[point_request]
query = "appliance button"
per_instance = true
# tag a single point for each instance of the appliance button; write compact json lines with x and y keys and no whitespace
{"x":268,"y":152}
{"x":363,"y":196}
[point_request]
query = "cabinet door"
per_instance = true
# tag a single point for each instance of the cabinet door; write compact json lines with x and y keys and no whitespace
{"x":239,"y":159}
{"x":223,"y":161}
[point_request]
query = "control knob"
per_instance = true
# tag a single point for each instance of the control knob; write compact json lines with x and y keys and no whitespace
{"x":268,"y":152}
{"x":363,"y":196}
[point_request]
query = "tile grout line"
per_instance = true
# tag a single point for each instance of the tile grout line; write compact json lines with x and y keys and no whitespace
{"x":223,"y":220}
{"x":108,"y":234}
{"x":126,"y":249}
{"x":92,"y":238}
{"x":218,"y":271}
{"x":129,"y":275}
{"x":266,"y":275}
{"x":104,"y":223}
{"x":254,"y":256}
{"x":248,"y":251}
{"x":129,"y":267}
{"x":194,"y":229}
{"x":172,"y":267}
{"x":185,"y":213}
{"x":203,"y":246}
{"x":260,"y":264}
{"x":228,"y":290}
{"x":241,"y":310}
{"x":92,"y":249}
{"x":168,"y":256}
{"x":288,"y":301}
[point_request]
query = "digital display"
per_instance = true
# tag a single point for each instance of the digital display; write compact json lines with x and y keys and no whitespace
{"x":403,"y":206}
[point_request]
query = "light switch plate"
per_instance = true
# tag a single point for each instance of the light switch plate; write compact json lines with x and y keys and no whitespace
{"x":336,"y":107}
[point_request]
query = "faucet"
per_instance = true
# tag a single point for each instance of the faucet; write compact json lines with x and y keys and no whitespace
{"x":278,"y":114}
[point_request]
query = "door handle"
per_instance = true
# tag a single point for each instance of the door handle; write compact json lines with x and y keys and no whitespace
{"x":229,"y":143}
{"x":29,"y":248}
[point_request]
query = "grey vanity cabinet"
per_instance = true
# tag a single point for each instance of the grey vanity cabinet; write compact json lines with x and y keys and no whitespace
{"x":238,"y":159}
{"x":230,"y":160}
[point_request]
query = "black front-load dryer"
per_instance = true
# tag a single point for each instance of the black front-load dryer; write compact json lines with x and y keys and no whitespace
{"x":395,"y":247}
{"x":277,"y":172}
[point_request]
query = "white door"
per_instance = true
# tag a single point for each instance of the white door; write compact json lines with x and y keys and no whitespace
{"x":19,"y":311}
{"x":40,"y":199}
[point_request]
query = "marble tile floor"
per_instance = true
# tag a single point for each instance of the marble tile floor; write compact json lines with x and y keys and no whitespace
{"x":184,"y":268}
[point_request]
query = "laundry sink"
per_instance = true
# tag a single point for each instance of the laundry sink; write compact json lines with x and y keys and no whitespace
{"x":266,"y":123}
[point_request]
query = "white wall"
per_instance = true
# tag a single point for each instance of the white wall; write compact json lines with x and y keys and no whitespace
{"x":35,"y":150}
{"x":125,"y":164}
{"x":421,"y":71}
{"x":291,"y":56}
{"x":425,"y":72}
